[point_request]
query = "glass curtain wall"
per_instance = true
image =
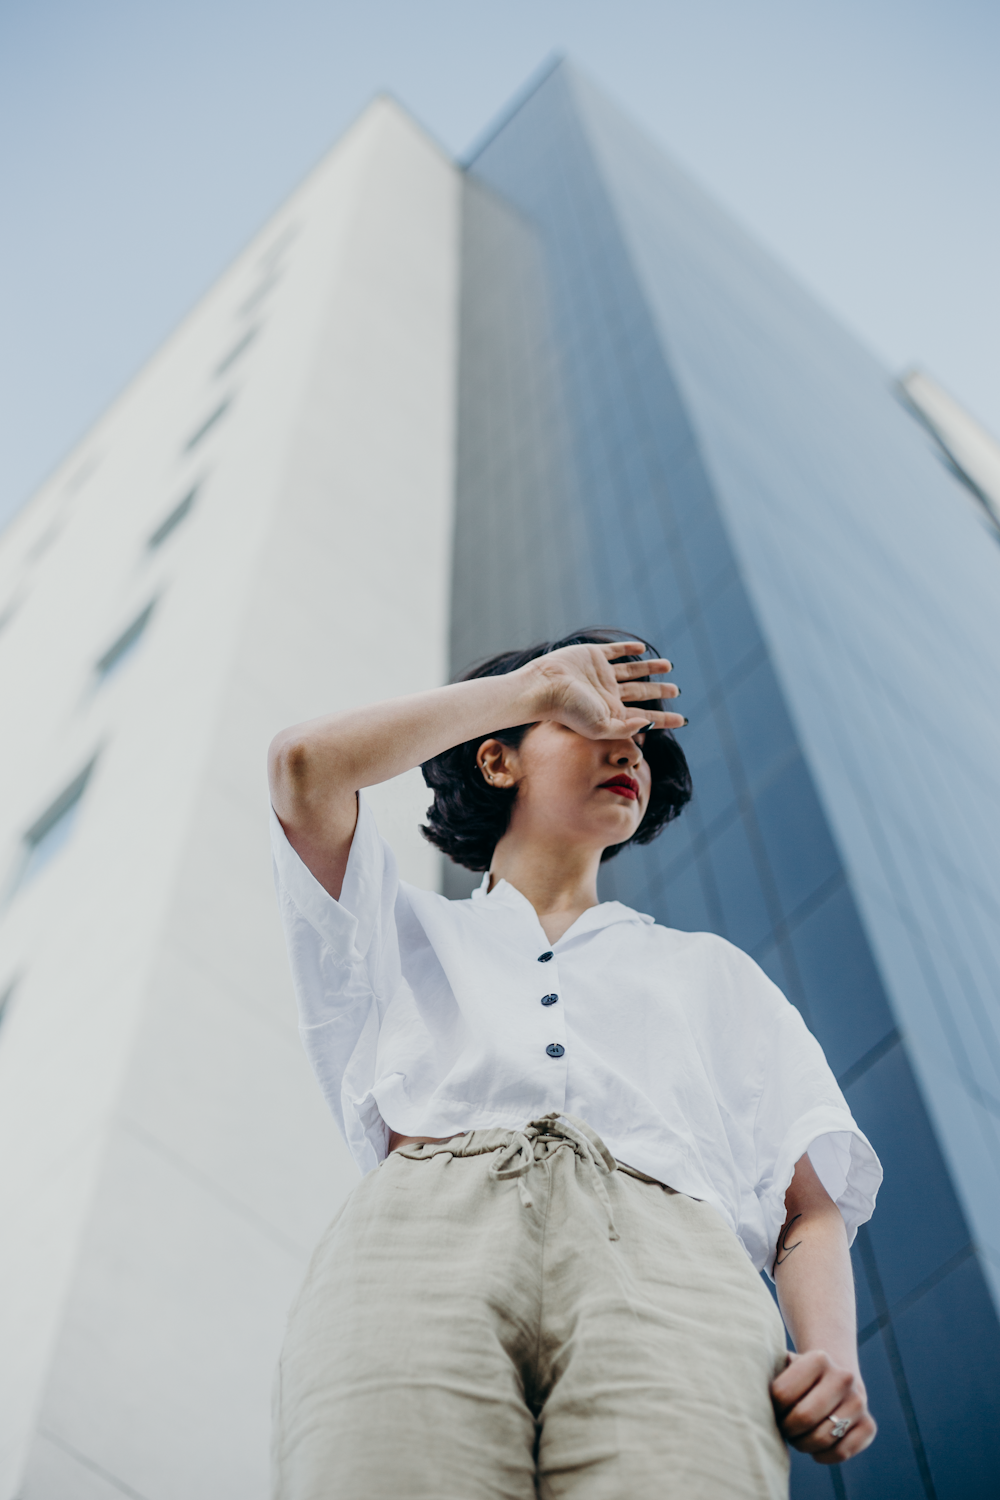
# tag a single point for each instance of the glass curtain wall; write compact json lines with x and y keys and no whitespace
{"x":584,"y":497}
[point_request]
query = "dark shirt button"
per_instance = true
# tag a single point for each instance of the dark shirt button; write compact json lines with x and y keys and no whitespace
{"x":554,"y":1049}
{"x":543,"y":958}
{"x":549,"y":999}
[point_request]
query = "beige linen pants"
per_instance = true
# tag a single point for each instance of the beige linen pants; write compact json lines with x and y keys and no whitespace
{"x":505,"y":1316}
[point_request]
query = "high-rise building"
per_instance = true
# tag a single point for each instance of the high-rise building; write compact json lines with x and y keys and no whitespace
{"x":552,"y":386}
{"x":260,"y":528}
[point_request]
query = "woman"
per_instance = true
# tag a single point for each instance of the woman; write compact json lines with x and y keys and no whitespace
{"x":590,"y":1131}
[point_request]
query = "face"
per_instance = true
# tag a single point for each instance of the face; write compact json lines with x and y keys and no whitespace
{"x":571,"y":789}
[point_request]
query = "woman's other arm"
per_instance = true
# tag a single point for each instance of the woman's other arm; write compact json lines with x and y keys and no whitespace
{"x":812,"y":1273}
{"x":316,"y":769}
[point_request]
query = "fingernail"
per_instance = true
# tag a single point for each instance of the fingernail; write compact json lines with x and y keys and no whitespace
{"x":681,"y":726}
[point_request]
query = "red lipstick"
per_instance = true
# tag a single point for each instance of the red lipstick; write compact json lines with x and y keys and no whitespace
{"x":625,"y":786}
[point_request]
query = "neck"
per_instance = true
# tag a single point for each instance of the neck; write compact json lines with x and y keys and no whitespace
{"x":560,"y":882}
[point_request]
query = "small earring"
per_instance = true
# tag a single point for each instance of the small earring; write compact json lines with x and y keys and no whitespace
{"x":487,"y":774}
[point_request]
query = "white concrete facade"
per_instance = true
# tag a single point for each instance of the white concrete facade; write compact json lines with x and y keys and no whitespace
{"x":166,"y":1161}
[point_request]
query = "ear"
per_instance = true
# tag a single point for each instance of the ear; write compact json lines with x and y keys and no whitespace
{"x":493,"y":760}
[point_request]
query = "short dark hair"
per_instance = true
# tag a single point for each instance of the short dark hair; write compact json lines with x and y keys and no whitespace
{"x":468,"y":817}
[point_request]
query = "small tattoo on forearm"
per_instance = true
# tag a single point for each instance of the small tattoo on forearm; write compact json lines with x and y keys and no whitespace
{"x":784,"y":1248}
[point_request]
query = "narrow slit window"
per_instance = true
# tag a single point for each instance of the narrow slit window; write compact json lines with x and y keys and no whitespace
{"x":173,"y":520}
{"x":44,"y":542}
{"x":257,"y":296}
{"x":7,"y":614}
{"x":208,"y":424}
{"x":7,"y":995}
{"x":124,"y":645}
{"x":51,"y":832}
{"x":237,"y":350}
{"x":277,"y":247}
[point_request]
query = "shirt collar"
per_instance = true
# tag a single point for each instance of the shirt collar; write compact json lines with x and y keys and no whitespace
{"x":506,"y":896}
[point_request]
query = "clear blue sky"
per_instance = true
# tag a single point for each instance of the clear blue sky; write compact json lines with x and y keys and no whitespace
{"x":143,"y":141}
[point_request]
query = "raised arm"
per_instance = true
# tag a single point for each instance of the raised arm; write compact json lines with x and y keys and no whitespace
{"x":821,"y":1390}
{"x":316,"y":769}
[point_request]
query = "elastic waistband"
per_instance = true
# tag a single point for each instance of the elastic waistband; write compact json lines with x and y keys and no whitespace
{"x":520,"y":1150}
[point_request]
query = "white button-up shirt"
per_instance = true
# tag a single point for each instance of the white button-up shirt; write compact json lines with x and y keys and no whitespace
{"x":430,"y":1017}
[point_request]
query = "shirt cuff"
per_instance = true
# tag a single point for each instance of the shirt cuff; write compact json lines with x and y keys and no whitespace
{"x":844,"y":1161}
{"x":347,"y":923}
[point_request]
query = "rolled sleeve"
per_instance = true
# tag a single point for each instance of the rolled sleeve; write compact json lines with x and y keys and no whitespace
{"x":802,"y":1110}
{"x":338,"y":949}
{"x":345,"y":966}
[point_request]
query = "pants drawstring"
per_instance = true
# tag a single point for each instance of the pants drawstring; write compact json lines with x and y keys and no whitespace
{"x":538,"y":1139}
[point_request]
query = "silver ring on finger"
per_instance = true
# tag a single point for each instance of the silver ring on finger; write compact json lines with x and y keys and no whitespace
{"x":840,"y":1426}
